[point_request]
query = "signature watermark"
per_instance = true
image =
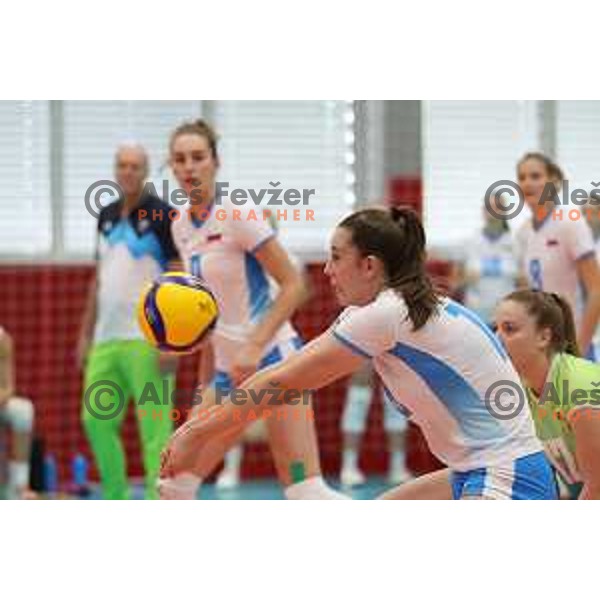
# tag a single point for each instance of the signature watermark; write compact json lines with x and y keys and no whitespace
{"x":105,"y":191}
{"x":105,"y":399}
{"x":505,"y":399}
{"x":504,"y":199}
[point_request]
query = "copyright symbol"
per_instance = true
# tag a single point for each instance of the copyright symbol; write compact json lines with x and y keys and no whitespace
{"x":99,"y":407}
{"x":93,"y":195}
{"x":498,"y":206}
{"x":504,"y":409}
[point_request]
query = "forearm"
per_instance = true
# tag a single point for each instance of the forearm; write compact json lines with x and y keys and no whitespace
{"x":206,"y":365}
{"x":290,"y":297}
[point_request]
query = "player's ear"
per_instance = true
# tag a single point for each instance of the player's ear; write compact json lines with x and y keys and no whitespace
{"x":545,"y":338}
{"x":373,"y":264}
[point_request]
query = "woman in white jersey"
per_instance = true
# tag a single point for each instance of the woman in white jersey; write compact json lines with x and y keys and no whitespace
{"x":487,"y":269}
{"x":236,"y":255}
{"x":555,"y":246}
{"x":432,"y":353}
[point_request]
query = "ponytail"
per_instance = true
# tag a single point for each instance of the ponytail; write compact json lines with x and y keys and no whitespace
{"x":569,"y":341}
{"x":553,"y":312}
{"x":397,"y":238}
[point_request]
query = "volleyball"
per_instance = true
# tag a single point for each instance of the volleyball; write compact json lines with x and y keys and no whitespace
{"x":176,"y":312}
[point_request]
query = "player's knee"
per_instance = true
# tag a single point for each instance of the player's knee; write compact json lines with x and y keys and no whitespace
{"x":19,"y":412}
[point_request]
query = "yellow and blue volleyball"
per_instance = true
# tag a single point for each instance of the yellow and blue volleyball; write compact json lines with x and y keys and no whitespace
{"x":176,"y":312}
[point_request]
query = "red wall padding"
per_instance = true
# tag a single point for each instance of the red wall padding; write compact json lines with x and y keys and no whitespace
{"x":41,"y":306}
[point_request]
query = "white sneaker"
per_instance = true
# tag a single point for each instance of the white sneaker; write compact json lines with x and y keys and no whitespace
{"x":352,"y":477}
{"x":227,"y":480}
{"x":399,"y":476}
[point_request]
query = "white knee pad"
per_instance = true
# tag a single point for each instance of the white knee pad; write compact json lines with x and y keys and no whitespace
{"x":19,"y":414}
{"x":393,"y":419}
{"x":358,"y":401}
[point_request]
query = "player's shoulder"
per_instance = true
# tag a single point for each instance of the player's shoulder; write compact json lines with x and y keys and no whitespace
{"x":181,"y":227}
{"x":153,"y":202}
{"x":524,"y":229}
{"x":577,"y":369}
{"x":385,"y":308}
{"x":110,"y":212}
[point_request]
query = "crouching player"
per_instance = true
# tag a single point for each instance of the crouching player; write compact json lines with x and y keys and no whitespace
{"x":433,"y":354}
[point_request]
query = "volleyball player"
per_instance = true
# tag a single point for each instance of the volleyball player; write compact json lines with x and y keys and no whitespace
{"x":236,"y":256}
{"x":18,"y":414}
{"x":538,"y":331}
{"x":432,"y":353}
{"x":557,"y":249}
{"x":487,"y":268}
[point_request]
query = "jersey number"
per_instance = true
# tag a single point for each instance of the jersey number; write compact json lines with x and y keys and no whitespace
{"x":195,"y":265}
{"x":535,"y":273}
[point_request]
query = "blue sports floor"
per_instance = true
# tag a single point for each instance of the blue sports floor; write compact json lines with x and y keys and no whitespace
{"x":269,"y":489}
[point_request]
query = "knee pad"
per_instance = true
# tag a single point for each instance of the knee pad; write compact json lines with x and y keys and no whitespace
{"x":393,"y":419}
{"x":354,"y":419}
{"x":19,"y":413}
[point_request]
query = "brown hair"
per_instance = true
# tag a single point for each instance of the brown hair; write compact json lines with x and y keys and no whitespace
{"x":397,"y":238}
{"x":198,"y":127}
{"x":553,"y":171}
{"x":552,"y":311}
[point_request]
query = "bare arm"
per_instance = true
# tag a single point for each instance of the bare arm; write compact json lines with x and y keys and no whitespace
{"x":7,"y":374}
{"x":201,"y":442}
{"x":291,"y":294}
{"x":292,"y":291}
{"x":589,"y":275}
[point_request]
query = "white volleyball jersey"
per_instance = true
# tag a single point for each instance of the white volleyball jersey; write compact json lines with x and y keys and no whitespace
{"x":440,"y":375}
{"x":220,"y":250}
{"x":548,"y":252}
{"x":492,"y":265}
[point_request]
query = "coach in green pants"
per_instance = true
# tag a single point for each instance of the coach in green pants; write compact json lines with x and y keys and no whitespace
{"x":134,"y":246}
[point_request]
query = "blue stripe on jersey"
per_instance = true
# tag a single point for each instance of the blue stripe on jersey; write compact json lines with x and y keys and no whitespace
{"x":138,"y":245}
{"x":395,"y":403}
{"x":271,"y":358}
{"x":258,"y":287}
{"x":350,"y":345}
{"x":461,"y":400}
{"x":454,"y":309}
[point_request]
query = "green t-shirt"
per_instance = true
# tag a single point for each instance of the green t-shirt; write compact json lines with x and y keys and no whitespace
{"x":572,"y":392}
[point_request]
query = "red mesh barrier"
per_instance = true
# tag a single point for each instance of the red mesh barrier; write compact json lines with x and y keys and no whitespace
{"x":41,"y":306}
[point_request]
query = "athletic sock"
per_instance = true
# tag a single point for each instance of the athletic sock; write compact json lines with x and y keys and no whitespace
{"x":184,"y":486}
{"x":313,"y":489}
{"x":18,"y":477}
{"x":350,"y":459}
{"x":233,"y":460}
{"x":398,"y":461}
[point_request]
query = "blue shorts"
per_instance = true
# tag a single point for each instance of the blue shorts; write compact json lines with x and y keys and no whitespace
{"x":527,"y":478}
{"x":222,"y":381}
